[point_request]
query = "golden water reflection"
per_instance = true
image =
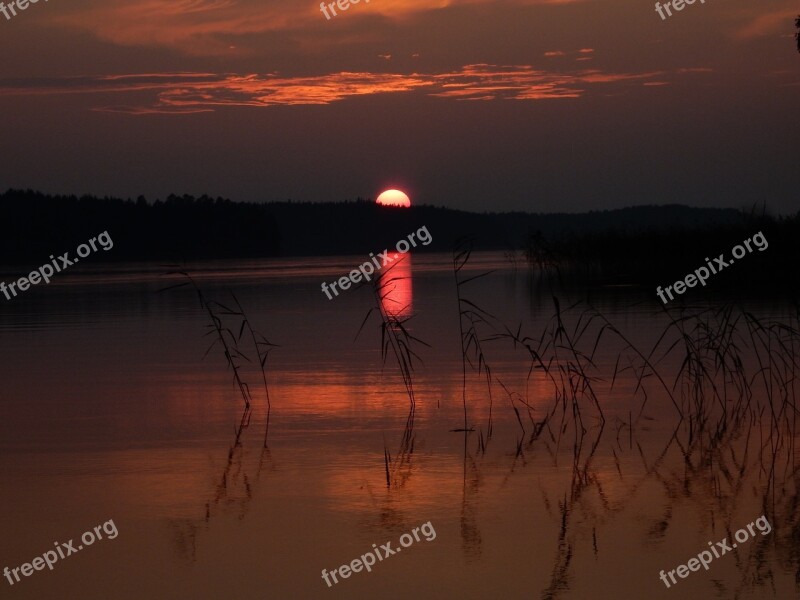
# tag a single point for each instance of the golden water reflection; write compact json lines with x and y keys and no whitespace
{"x":396,"y":287}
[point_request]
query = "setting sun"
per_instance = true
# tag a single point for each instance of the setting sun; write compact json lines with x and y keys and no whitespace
{"x":393,"y":198}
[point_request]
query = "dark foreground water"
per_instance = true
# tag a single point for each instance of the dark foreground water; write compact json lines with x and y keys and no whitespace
{"x":583,"y":490}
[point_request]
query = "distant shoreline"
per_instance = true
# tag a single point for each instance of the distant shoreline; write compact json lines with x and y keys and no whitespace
{"x":624,"y":241}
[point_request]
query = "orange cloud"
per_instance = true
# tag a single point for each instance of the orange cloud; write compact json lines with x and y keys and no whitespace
{"x":769,"y":24}
{"x":205,"y":27}
{"x":197,"y":27}
{"x":202,"y":92}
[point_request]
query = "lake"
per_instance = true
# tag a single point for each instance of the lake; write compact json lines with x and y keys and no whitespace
{"x":607,"y":461}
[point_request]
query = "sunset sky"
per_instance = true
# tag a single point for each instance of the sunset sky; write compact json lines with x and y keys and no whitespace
{"x":482,"y":105}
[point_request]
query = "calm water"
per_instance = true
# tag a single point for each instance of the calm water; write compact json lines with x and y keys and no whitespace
{"x":110,"y":411}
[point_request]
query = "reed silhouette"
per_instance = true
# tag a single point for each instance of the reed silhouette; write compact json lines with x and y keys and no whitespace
{"x":230,"y":344}
{"x":470,"y":316}
{"x":234,"y":488}
{"x":731,"y":377}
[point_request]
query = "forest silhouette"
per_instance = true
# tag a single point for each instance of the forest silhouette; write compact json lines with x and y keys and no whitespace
{"x":638,"y":244}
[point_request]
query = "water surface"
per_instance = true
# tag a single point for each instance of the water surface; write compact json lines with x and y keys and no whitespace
{"x":111,"y":411}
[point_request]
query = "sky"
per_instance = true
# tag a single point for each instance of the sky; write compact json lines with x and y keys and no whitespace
{"x":544,"y":106}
